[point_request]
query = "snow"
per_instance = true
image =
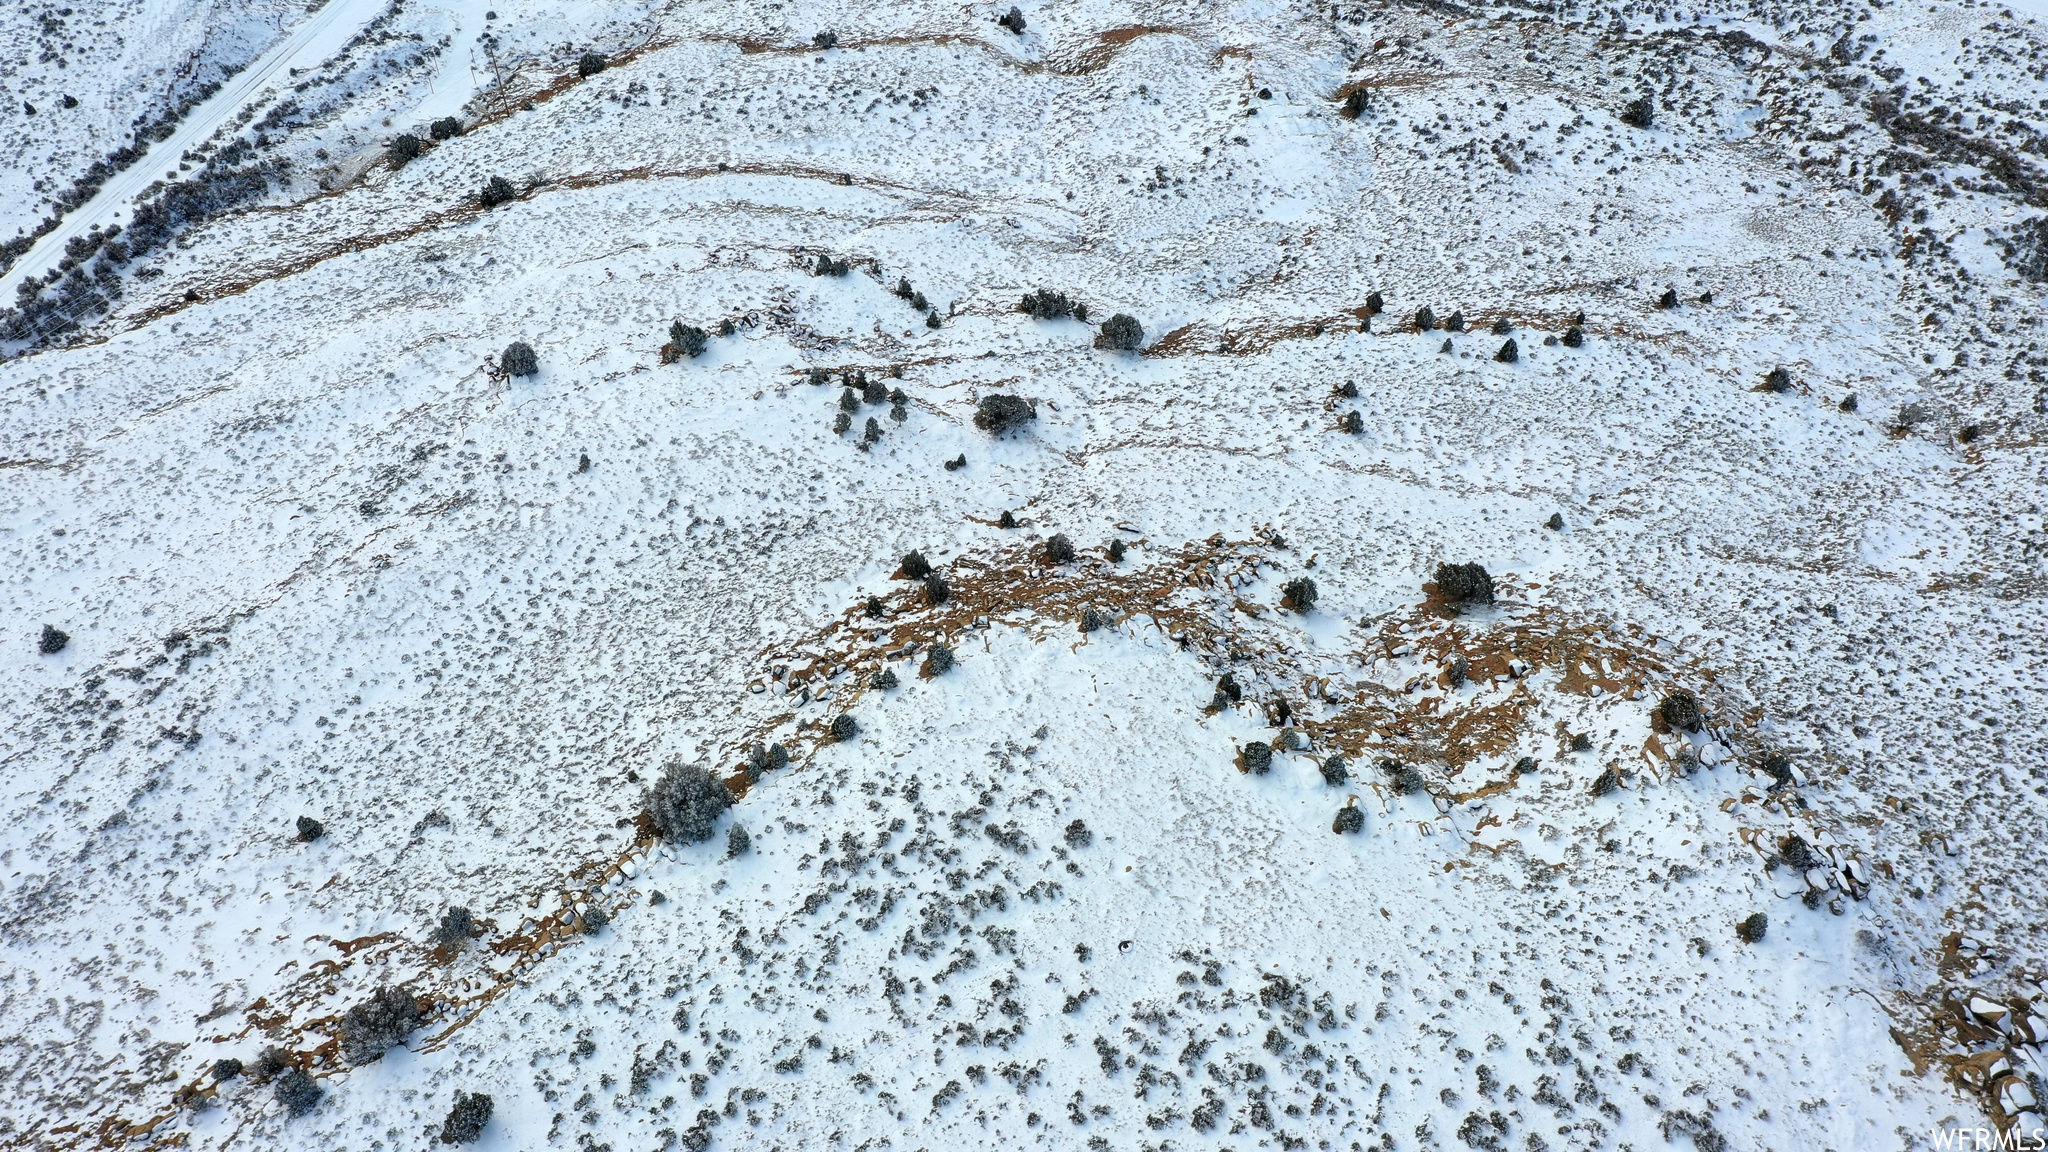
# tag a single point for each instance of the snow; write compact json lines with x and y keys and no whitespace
{"x":317,"y":556}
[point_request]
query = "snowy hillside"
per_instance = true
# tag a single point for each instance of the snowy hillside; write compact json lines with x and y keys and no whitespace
{"x":1531,"y":642}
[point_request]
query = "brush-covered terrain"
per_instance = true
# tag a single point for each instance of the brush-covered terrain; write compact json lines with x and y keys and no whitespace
{"x":1178,"y":576}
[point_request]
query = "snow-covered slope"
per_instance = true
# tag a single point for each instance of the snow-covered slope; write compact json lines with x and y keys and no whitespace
{"x":316,"y":554}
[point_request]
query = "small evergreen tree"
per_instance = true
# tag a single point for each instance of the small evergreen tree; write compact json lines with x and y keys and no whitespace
{"x":1464,"y":583}
{"x":497,"y":190}
{"x":374,"y":1025}
{"x":404,"y":148}
{"x":940,"y":660}
{"x":1335,"y":771}
{"x":686,"y":801}
{"x":737,"y":842}
{"x":297,"y":1092}
{"x":1752,"y":928}
{"x":915,"y":565}
{"x":1013,"y":20}
{"x":1301,"y":593}
{"x":519,"y":359}
{"x":457,"y":925}
{"x":1350,"y":819}
{"x":1059,"y":549}
{"x":686,"y":339}
{"x":590,"y":64}
{"x":53,"y":640}
{"x":310,"y":829}
{"x":844,"y":728}
{"x":1258,"y":757}
{"x":1425,"y":320}
{"x":1639,"y":113}
{"x":1121,"y":333}
{"x":446,"y":128}
{"x":1000,"y":412}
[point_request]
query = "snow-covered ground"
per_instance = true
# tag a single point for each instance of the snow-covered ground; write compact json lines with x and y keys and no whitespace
{"x":317,"y":555}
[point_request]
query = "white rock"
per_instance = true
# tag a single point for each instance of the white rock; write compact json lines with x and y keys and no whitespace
{"x":1989,"y":1011}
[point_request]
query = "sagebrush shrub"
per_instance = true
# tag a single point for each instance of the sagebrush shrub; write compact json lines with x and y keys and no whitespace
{"x":297,"y":1092}
{"x":590,"y":64}
{"x":53,"y":640}
{"x":1091,"y":619}
{"x":1227,"y":686}
{"x":227,"y":1068}
{"x":1464,"y":583}
{"x":310,"y":829}
{"x":1681,"y":710}
{"x":594,"y":920}
{"x":1116,"y":551}
{"x":456,"y":925}
{"x":1752,"y":928}
{"x":1639,"y":113}
{"x":1501,"y":327}
{"x":1375,"y":304}
{"x":1669,"y":299}
{"x":446,"y":128}
{"x":1556,"y":522}
{"x":1349,"y":391}
{"x":1007,"y":520}
{"x":936,"y":589}
{"x":1352,"y":423}
{"x":466,"y":1120}
{"x":1059,"y":549}
{"x":1778,"y":380}
{"x":686,"y":801}
{"x":1457,"y":321}
{"x":1335,"y":771}
{"x":999,"y":412}
{"x":1350,"y":819}
{"x":1301,"y":593}
{"x":1013,"y":20}
{"x":940,"y":660}
{"x":1508,"y":353}
{"x":1459,"y":671}
{"x":873,"y":392}
{"x":404,"y":147}
{"x":1574,"y":336}
{"x":1121,"y":332}
{"x":737,"y":842}
{"x":372,"y":1026}
{"x":957,"y":463}
{"x":825,"y":41}
{"x":269,"y":1062}
{"x":849,"y":400}
{"x":841,"y":423}
{"x":916,"y":566}
{"x":1779,"y":768}
{"x":872,"y":433}
{"x":686,"y":339}
{"x":886,"y":679}
{"x":518,"y":359}
{"x":1077,"y":834}
{"x":1607,"y":781}
{"x":844,"y":727}
{"x":1258,"y":757}
{"x":1425,"y":320}
{"x":497,"y":190}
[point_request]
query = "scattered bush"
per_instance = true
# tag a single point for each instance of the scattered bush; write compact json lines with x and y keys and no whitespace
{"x":940,"y":660}
{"x":886,"y":679}
{"x":825,"y":41}
{"x":872,"y":433}
{"x":466,"y":1120}
{"x":1501,"y":327}
{"x":53,"y":641}
{"x":874,"y":392}
{"x":1116,"y":551}
{"x":1779,"y":768}
{"x":1446,"y":349}
{"x":1525,"y":764}
{"x":270,"y":1062}
{"x":1508,"y":353}
{"x":686,"y":801}
{"x":1573,"y":337}
{"x":1607,"y":781}
{"x":456,"y":925}
{"x":297,"y":1092}
{"x":1300,"y":593}
{"x":737,"y":842}
{"x":446,"y":128}
{"x":1457,"y":321}
{"x":778,"y":757}
{"x":875,"y":608}
{"x":405,"y":147}
{"x":227,"y":1069}
{"x":1375,"y":304}
{"x":591,"y":64}
{"x":1681,"y":710}
{"x":1406,"y":778}
{"x":1258,"y":757}
{"x":1556,"y":522}
{"x":841,"y":423}
{"x":844,"y":728}
{"x":999,"y":412}
{"x":1059,"y":549}
{"x":371,"y":1027}
{"x":687,"y":340}
{"x":1007,"y":520}
{"x":518,"y":359}
{"x":1669,"y":299}
{"x":1013,"y":20}
{"x":1425,"y":320}
{"x":1459,"y":672}
{"x":498,"y":191}
{"x":1583,"y":742}
{"x":935,"y":588}
{"x":1078,"y":835}
{"x":1335,"y":771}
{"x":1752,"y":928}
{"x":1350,"y":819}
{"x":1352,"y":423}
{"x":1794,"y":850}
{"x":1355,"y":105}
{"x":1045,"y":304}
{"x":819,"y":376}
{"x":1091,"y":619}
{"x":1848,"y":403}
{"x":1778,"y":380}
{"x":1639,"y":113}
{"x":827,"y":266}
{"x":1464,"y":583}
{"x":1349,"y":391}
{"x":1121,"y":333}
{"x":594,"y":920}
{"x":1227,"y":686}
{"x":932,"y":321}
{"x":916,"y":566}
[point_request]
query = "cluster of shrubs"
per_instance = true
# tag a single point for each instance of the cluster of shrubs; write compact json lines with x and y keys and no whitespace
{"x":1045,"y":304}
{"x":912,"y":296}
{"x":407,"y":147}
